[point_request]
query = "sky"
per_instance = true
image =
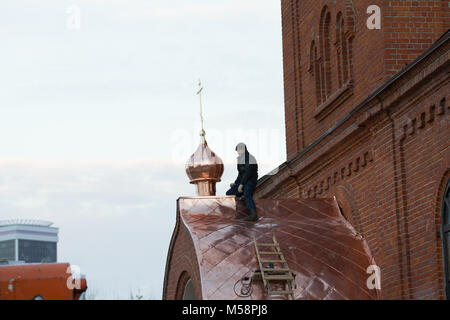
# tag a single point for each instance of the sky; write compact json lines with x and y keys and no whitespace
{"x":99,"y":114}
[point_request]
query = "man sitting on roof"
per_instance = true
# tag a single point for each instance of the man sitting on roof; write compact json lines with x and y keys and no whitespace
{"x":245,"y":183}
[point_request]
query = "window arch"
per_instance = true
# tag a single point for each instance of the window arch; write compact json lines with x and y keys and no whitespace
{"x":185,"y":287}
{"x":322,"y":59}
{"x":445,"y":232}
{"x":188,"y":292}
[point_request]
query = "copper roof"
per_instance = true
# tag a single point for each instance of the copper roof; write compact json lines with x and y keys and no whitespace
{"x":325,"y":252}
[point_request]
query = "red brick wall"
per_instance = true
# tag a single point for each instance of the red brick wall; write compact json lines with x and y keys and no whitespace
{"x":407,"y":29}
{"x":181,"y":265}
{"x":389,"y":162}
{"x":421,"y":160}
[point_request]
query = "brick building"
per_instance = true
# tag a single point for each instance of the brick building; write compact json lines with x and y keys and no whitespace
{"x":367,"y":120}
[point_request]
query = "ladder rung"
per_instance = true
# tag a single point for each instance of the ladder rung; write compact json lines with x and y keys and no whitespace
{"x":270,"y":252}
{"x":267,"y":245}
{"x":281,"y":292}
{"x":279,"y":277}
{"x":272,"y":261}
{"x":276,"y":270}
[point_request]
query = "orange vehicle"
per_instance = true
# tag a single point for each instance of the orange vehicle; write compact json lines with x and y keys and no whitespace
{"x":43,"y":281}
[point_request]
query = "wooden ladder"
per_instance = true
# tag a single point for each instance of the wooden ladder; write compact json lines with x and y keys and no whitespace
{"x":269,"y":270}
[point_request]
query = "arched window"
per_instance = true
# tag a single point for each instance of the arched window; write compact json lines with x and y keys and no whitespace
{"x":325,"y":59}
{"x":188,"y":293}
{"x":342,"y":50}
{"x":185,"y":287}
{"x":446,"y":237}
{"x":324,"y":74}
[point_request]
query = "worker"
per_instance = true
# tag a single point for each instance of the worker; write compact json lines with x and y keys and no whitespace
{"x":245,"y":183}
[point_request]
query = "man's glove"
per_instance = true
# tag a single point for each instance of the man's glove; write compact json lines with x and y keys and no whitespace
{"x":232,"y":185}
{"x":241,"y":188}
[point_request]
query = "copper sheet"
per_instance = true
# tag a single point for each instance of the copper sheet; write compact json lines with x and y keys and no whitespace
{"x":204,"y":164}
{"x":327,"y":255}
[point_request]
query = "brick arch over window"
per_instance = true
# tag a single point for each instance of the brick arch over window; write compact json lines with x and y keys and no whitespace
{"x":185,"y":282}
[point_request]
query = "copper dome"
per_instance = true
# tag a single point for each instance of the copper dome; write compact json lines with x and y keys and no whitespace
{"x":204,"y":168}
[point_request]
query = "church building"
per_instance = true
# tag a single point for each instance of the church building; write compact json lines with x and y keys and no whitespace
{"x":307,"y":249}
{"x":360,"y":209}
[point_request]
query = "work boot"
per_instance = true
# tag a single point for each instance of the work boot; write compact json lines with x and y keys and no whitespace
{"x":252,"y":217}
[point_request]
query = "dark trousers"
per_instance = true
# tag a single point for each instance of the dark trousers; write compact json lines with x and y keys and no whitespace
{"x":249,"y":188}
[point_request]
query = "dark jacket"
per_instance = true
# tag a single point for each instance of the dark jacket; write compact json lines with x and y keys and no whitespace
{"x":247,"y":169}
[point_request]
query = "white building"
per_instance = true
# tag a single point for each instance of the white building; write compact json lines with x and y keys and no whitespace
{"x":30,"y":241}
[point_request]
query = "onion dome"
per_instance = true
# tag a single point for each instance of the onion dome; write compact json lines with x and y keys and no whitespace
{"x":204,"y":168}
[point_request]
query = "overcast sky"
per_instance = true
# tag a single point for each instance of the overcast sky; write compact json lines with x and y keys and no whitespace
{"x":99,"y":115}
